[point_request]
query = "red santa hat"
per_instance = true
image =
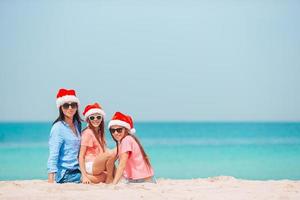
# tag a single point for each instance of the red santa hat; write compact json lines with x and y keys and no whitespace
{"x":120,"y":119}
{"x":65,"y":96}
{"x":93,"y":109}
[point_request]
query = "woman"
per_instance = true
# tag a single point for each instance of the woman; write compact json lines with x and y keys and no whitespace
{"x":95,"y":159}
{"x":64,"y":141}
{"x":134,"y":164}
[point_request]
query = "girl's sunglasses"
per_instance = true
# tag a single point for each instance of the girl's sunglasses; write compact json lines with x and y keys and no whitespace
{"x":67,"y":105}
{"x":112,"y":130}
{"x":91,"y":118}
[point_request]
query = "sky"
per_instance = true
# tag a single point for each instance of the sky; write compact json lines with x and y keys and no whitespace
{"x":157,"y":60}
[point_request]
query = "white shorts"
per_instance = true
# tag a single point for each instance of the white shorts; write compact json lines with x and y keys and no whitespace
{"x":89,"y":167}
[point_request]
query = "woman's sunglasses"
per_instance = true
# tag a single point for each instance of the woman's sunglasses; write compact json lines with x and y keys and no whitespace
{"x":112,"y":130}
{"x":67,"y":105}
{"x":91,"y":118}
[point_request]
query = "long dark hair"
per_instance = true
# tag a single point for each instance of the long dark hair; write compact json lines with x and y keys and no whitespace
{"x":100,"y":135}
{"x":76,"y":118}
{"x":145,"y":156}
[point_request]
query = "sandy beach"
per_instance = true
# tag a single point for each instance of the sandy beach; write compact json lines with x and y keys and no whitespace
{"x":214,"y":188}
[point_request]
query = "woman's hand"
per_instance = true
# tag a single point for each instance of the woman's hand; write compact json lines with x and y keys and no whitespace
{"x":85,"y":180}
{"x":51,"y":178}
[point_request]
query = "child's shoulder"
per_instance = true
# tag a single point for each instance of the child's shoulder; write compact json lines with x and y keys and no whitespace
{"x":128,"y":139}
{"x":87,"y":132}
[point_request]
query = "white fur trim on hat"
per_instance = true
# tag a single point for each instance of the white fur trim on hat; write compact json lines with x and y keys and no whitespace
{"x":68,"y":98}
{"x":118,"y":123}
{"x":94,"y":111}
{"x":132,"y":131}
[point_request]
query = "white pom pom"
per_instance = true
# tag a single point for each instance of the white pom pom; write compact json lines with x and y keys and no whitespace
{"x":132,"y":131}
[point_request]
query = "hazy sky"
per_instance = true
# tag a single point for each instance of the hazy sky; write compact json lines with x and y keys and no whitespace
{"x":169,"y":60}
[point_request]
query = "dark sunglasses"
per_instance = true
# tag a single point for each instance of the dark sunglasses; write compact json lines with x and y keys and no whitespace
{"x":91,"y":118}
{"x":67,"y":105}
{"x":112,"y":130}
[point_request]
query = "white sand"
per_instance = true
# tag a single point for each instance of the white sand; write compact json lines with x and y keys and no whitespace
{"x":207,"y":189}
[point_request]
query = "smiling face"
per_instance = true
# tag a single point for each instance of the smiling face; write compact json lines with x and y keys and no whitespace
{"x":118,"y":132}
{"x":95,"y":120}
{"x":69,"y":109}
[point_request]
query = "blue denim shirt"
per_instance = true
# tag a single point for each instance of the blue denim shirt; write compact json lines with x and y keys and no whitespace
{"x":63,"y":149}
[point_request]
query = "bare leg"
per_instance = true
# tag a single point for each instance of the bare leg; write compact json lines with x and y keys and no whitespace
{"x":100,"y":163}
{"x":110,"y":166}
{"x":97,"y":178}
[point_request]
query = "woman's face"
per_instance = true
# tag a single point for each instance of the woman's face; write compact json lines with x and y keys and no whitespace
{"x":118,"y":132}
{"x":95,"y":120}
{"x":69,"y":109}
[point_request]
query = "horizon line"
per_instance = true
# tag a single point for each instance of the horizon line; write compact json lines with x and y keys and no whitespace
{"x":174,"y":121}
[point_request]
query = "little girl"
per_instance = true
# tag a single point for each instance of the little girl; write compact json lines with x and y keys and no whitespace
{"x":95,"y":159}
{"x":134,"y":163}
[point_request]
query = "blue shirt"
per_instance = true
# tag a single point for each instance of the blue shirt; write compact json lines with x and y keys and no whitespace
{"x":63,"y":149}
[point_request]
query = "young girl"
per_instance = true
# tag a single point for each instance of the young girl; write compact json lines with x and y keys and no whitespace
{"x":134,"y":163}
{"x":95,"y":159}
{"x":64,"y":141}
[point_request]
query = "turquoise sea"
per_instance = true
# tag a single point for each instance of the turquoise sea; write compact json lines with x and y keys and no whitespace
{"x":178,"y":150}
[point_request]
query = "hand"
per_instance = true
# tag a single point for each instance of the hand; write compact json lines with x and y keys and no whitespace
{"x":50,"y":181}
{"x":85,"y":180}
{"x":51,"y":178}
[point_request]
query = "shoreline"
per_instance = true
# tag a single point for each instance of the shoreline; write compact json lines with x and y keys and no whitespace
{"x":212,"y":188}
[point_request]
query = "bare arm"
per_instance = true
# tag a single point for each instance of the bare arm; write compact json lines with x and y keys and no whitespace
{"x":85,"y":178}
{"x":121,"y":167}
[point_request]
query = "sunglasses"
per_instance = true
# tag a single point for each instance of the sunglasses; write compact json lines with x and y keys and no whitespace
{"x":113,"y":130}
{"x":67,"y":105}
{"x":91,"y":118}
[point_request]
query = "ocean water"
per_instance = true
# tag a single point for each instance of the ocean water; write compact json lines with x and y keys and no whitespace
{"x":178,"y":150}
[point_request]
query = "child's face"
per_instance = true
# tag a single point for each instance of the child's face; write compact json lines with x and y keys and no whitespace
{"x":118,"y":132}
{"x":95,"y":120}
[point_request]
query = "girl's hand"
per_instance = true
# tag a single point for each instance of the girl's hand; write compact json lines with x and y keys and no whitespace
{"x":85,"y":180}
